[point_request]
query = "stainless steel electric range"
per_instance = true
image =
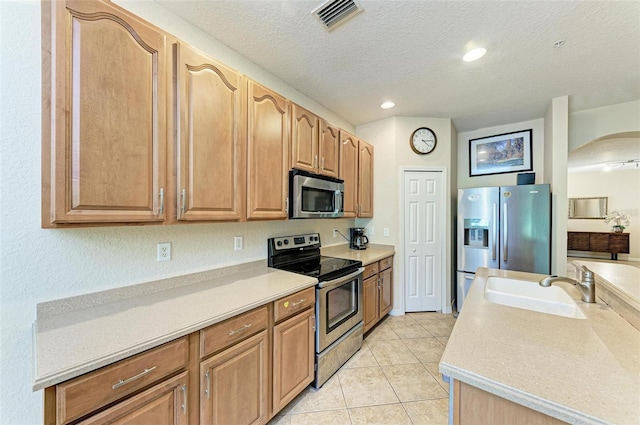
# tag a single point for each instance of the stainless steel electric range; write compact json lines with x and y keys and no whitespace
{"x":339,"y":299}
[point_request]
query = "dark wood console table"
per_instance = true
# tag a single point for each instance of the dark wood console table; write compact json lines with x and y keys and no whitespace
{"x":615,"y":243}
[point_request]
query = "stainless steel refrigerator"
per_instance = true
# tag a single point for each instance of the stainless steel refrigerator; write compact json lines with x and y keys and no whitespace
{"x":506,"y":227}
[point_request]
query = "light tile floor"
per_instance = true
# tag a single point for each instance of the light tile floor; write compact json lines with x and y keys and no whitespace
{"x":392,"y":380}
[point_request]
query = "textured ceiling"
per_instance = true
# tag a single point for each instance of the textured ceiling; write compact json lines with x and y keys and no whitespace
{"x":595,"y":155}
{"x":410,"y":51}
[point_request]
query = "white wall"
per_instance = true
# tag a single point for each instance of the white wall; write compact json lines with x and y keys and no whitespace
{"x":558,"y":148}
{"x":623,"y":190}
{"x":390,"y":137}
{"x":39,"y":265}
{"x":597,"y":122}
{"x":508,"y":179}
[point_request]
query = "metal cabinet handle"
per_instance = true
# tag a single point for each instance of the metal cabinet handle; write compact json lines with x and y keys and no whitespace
{"x":207,"y":388}
{"x":294,"y":305}
{"x":315,"y":161}
{"x":505,"y":248}
{"x":286,"y":205}
{"x":242,"y":329}
{"x":161,"y":201}
{"x":184,"y":399}
{"x":183,"y":205}
{"x":322,"y":164}
{"x":133,"y":378}
{"x":494,"y":231}
{"x":313,"y":323}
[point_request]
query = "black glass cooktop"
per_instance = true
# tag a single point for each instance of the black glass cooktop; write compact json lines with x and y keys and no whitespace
{"x":324,"y":268}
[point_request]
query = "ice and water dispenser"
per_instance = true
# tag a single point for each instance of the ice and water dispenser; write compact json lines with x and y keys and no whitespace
{"x":476,"y":233}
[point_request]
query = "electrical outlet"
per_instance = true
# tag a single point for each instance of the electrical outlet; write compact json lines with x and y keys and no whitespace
{"x":371,"y":231}
{"x":386,"y":231}
{"x":237,"y":243}
{"x":164,"y":251}
{"x":335,"y":233}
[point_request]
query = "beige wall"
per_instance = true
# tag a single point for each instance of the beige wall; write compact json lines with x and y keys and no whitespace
{"x":465,"y":181}
{"x":623,"y":190}
{"x":590,"y":124}
{"x":390,"y":137}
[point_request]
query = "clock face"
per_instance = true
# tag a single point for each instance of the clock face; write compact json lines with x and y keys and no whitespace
{"x":423,"y":141}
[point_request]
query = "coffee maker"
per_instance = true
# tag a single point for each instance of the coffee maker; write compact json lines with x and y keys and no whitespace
{"x":357,"y":238}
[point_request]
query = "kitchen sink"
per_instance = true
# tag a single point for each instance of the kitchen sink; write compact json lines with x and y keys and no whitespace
{"x":529,"y":295}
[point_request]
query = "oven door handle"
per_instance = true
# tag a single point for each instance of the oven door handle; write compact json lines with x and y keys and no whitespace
{"x":340,"y":279}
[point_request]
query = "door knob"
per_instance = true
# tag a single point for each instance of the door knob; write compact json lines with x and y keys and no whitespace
{"x":414,"y":250}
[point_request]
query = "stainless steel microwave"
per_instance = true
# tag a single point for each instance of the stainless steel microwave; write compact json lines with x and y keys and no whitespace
{"x":315,"y":196}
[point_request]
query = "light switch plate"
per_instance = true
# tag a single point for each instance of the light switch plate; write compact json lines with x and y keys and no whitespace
{"x":386,"y":231}
{"x":237,"y":243}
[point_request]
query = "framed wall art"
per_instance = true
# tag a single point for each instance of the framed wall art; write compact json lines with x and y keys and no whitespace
{"x":503,"y":153}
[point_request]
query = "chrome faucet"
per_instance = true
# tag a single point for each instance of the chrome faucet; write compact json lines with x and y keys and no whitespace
{"x":586,"y":284}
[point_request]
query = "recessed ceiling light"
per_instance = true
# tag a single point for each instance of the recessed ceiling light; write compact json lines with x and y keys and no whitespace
{"x":387,"y":105}
{"x":474,"y":54}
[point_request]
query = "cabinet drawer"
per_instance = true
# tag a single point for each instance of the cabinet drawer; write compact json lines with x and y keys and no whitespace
{"x":370,"y":270}
{"x":385,"y":263}
{"x":223,"y":334}
{"x":82,"y":395}
{"x":294,"y":303}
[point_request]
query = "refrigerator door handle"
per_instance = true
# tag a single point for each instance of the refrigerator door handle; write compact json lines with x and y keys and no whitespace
{"x":494,"y":229}
{"x":505,"y":251}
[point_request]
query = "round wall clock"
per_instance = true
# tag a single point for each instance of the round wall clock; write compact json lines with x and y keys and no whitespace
{"x":423,"y":141}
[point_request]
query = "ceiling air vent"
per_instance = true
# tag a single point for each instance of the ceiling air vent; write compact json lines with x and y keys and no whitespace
{"x":333,"y":13}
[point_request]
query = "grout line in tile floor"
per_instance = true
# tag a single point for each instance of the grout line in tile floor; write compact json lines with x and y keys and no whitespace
{"x":383,"y":383}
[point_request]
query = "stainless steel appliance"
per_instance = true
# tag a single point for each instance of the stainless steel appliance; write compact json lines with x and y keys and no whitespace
{"x":339,"y":298}
{"x":506,"y":227}
{"x":357,"y":238}
{"x":315,"y":196}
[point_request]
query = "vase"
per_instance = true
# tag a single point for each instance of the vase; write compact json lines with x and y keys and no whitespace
{"x":617,"y":229}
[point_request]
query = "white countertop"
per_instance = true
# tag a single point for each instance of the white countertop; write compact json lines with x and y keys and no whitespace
{"x":373,"y":253}
{"x":579,"y":371}
{"x":76,"y":335}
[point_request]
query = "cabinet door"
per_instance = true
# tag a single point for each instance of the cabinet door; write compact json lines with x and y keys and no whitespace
{"x":599,"y":242}
{"x":370,"y":289}
{"x":163,"y":404}
{"x":267,"y":160}
{"x":365,"y":179}
{"x":304,"y":139}
{"x":104,"y":129}
{"x":209,"y":138}
{"x":329,"y":148}
{"x":578,"y":241}
{"x":349,"y":172}
{"x":293,"y":352}
{"x":385,"y":299}
{"x":234,"y":384}
{"x":619,"y":243}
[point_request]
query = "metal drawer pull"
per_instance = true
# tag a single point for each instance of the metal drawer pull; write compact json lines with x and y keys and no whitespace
{"x":184,"y":404}
{"x":244,"y":328}
{"x":133,"y":378}
{"x":294,"y":305}
{"x":207,"y":388}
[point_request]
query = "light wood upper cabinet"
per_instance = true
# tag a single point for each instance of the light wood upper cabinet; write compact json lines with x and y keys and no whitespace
{"x":268,"y":131}
{"x":304,"y":139}
{"x":210,"y":143}
{"x":315,"y":143}
{"x":104,"y":109}
{"x":349,"y":172}
{"x":365,"y":179}
{"x":328,"y":149}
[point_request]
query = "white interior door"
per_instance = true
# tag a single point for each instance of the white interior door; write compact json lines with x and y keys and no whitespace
{"x":424,"y":230}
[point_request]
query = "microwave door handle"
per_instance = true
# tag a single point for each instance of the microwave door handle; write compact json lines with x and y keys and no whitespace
{"x":337,"y":201}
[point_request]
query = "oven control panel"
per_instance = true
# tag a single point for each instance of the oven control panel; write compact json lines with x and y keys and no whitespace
{"x":300,"y":241}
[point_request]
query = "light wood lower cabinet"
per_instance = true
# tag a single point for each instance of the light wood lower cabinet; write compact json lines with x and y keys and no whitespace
{"x":235,"y":385}
{"x":163,"y":404}
{"x":472,"y":405}
{"x":378,"y":291}
{"x":293,"y":352}
{"x":240,"y":371}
